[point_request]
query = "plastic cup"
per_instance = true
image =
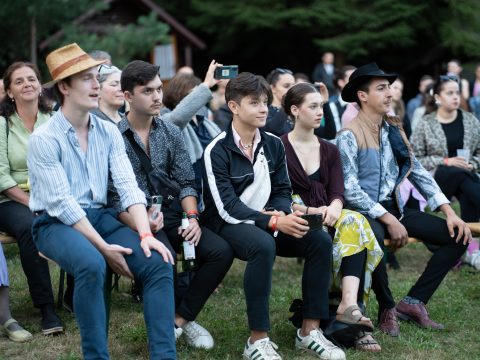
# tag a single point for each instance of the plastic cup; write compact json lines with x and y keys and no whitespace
{"x":464,"y":153}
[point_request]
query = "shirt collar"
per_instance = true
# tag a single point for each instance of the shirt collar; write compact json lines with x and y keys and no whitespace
{"x":124,"y":124}
{"x":238,"y":140}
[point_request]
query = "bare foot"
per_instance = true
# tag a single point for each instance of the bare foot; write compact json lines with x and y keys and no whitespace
{"x":367,"y":343}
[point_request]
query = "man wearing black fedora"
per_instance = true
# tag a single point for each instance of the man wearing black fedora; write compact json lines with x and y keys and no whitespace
{"x":376,"y":158}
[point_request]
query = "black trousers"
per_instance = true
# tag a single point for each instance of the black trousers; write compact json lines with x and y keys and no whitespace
{"x":16,"y":219}
{"x":215,"y":257}
{"x":465,"y":186}
{"x":258,"y":248}
{"x":430,"y":229}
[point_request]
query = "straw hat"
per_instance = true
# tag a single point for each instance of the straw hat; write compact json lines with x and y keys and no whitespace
{"x":67,"y":61}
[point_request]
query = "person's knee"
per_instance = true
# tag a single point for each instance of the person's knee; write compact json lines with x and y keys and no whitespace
{"x":222,"y":253}
{"x":92,"y":267}
{"x":319,"y":242}
{"x":155,"y":267}
{"x":263,"y":247}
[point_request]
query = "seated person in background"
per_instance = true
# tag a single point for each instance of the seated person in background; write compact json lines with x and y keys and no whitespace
{"x":197,"y":130}
{"x":316,"y":176}
{"x":247,"y":201}
{"x":447,"y":142}
{"x":70,"y":159}
{"x":21,"y":112}
{"x":110,"y":99}
{"x":147,"y":135}
{"x":9,"y":325}
{"x":376,"y":158}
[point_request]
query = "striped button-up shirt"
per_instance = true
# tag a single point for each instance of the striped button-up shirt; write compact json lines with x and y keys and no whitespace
{"x":64,"y":179}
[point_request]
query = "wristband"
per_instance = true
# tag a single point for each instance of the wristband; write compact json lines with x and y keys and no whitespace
{"x":274,"y":223}
{"x":192,"y":212}
{"x":193,"y":216}
{"x":144,"y":235}
{"x":306,"y":211}
{"x":445,"y":161}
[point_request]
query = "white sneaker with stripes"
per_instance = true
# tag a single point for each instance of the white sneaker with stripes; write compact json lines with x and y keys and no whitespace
{"x":262,"y":349}
{"x":317,"y":344}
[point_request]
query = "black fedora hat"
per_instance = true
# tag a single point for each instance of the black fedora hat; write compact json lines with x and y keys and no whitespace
{"x":359,"y":76}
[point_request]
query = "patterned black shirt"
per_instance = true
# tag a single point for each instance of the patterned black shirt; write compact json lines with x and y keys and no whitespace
{"x":167,"y":153}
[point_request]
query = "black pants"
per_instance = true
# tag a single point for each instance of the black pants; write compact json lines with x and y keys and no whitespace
{"x":16,"y":219}
{"x":215,"y":258}
{"x":258,"y":248}
{"x":465,"y":186}
{"x":430,"y":229}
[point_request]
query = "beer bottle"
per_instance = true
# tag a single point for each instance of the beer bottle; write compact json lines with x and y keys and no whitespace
{"x":189,"y":261}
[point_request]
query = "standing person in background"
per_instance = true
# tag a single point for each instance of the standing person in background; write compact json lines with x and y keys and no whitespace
{"x":70,"y":159}
{"x":474,"y":101}
{"x":324,"y":72}
{"x":438,"y":141}
{"x":22,"y":111}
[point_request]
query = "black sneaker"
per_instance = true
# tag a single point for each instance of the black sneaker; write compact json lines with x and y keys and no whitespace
{"x":51,"y":324}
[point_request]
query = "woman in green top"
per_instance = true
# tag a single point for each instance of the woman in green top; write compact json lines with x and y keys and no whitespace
{"x":22,"y":110}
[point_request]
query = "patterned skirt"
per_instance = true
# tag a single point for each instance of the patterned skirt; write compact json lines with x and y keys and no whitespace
{"x":353,"y":234}
{"x":3,"y":269}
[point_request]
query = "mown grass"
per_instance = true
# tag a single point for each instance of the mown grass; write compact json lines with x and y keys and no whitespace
{"x":456,"y":304}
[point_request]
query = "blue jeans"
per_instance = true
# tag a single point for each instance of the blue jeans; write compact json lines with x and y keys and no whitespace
{"x":78,"y":257}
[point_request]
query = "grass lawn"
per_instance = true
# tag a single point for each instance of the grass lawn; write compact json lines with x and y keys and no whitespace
{"x":456,"y":304}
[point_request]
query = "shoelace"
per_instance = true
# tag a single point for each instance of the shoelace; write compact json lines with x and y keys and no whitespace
{"x":319,"y":337}
{"x":193,"y":331}
{"x":269,"y":347}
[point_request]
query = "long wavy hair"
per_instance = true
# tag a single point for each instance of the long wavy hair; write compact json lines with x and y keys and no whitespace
{"x":7,"y":106}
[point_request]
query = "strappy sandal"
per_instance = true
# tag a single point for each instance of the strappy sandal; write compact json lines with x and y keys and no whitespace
{"x":365,"y":344}
{"x":355,"y":320}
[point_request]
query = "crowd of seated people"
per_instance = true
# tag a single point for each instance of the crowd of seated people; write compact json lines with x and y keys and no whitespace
{"x":79,"y":184}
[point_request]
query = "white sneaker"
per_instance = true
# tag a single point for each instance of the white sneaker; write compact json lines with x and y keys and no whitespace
{"x":317,"y":344}
{"x":262,"y":349}
{"x":178,"y":332}
{"x":197,"y":336}
{"x":472,"y":259}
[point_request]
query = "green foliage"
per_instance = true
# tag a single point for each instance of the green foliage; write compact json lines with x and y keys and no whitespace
{"x":124,"y":43}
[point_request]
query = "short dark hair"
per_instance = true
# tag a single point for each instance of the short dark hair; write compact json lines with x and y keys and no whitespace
{"x":363,"y":86}
{"x":136,"y":73}
{"x":7,"y":106}
{"x":247,"y":84}
{"x":274,"y":75}
{"x":296,"y":96}
{"x":339,"y":74}
{"x":179,"y":87}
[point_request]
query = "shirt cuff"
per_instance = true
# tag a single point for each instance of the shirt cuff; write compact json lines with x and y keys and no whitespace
{"x":187,"y":192}
{"x":133,"y":198}
{"x":377,"y":211}
{"x":437,"y":200}
{"x":71,"y":214}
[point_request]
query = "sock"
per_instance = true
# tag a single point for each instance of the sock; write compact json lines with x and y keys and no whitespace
{"x":4,"y":305}
{"x":411,"y":300}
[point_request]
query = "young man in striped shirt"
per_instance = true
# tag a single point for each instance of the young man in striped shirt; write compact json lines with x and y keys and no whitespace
{"x":69,"y":160}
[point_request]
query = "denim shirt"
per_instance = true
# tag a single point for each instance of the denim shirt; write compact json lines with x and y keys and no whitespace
{"x":375,"y":161}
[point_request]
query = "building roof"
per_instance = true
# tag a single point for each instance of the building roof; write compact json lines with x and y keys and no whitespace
{"x":147,"y":5}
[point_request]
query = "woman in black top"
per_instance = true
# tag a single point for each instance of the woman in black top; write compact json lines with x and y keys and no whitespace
{"x":447,"y":142}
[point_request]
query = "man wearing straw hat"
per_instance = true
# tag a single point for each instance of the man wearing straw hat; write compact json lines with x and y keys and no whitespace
{"x":69,"y":160}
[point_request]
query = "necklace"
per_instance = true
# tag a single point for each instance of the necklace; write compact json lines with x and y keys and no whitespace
{"x":246,"y":147}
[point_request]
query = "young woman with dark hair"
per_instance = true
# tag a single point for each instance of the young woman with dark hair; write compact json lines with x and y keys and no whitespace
{"x":316,"y":176}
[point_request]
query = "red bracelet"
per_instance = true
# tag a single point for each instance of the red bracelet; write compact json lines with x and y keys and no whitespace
{"x":445,"y":161}
{"x":144,"y":235}
{"x":274,"y":223}
{"x":192,"y":212}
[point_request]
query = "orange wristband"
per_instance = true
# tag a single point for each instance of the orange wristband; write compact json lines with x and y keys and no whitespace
{"x":192,"y":212}
{"x":144,"y":235}
{"x":274,"y":223}
{"x":445,"y":161}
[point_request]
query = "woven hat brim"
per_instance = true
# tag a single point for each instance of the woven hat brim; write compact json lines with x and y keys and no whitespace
{"x":349,"y":92}
{"x":75,"y":69}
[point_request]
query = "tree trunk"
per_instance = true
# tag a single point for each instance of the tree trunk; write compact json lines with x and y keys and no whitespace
{"x":33,"y":40}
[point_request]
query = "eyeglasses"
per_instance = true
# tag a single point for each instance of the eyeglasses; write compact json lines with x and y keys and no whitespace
{"x":444,"y":78}
{"x":284,"y":71}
